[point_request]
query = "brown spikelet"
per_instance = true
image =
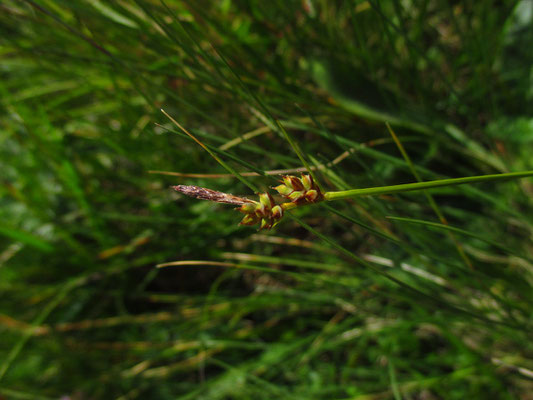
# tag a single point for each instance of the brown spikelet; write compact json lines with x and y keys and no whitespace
{"x":265,"y":211}
{"x":211,"y":195}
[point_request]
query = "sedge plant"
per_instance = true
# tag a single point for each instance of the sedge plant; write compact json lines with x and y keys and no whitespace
{"x":300,"y":191}
{"x":358,"y":293}
{"x":305,"y":190}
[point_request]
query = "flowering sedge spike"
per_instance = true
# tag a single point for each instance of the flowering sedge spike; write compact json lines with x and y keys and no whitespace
{"x":311,"y":196}
{"x":277,"y":212}
{"x":283,"y":190}
{"x":250,"y":219}
{"x":295,"y":183}
{"x":248,"y":208}
{"x":296,"y":196}
{"x":266,"y":203}
{"x":265,"y":212}
{"x":307,"y":182}
{"x":300,"y":190}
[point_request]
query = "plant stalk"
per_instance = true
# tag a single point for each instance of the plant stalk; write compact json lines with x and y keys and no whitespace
{"x":407,"y":187}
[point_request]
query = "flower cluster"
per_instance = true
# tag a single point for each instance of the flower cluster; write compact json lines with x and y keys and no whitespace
{"x":300,"y":191}
{"x":265,"y":211}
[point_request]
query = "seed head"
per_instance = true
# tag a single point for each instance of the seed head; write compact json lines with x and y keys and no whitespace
{"x":295,"y":196}
{"x":277,"y":212}
{"x":267,"y":202}
{"x":265,"y":212}
{"x":311,"y":195}
{"x":283,"y":190}
{"x":302,"y":190}
{"x":293,"y":182}
{"x":307,"y":182}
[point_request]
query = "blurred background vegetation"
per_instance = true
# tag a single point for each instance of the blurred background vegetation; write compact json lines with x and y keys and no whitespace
{"x":341,"y":302}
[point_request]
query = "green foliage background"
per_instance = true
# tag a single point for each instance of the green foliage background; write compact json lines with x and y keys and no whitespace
{"x":340,"y":302}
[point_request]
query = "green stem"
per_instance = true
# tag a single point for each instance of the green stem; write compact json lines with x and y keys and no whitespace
{"x":345,"y":194}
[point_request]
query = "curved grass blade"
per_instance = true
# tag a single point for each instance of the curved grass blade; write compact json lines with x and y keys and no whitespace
{"x":211,"y":153}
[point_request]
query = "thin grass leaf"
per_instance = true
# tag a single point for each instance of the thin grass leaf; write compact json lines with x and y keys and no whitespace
{"x":462,"y":232}
{"x":211,"y":153}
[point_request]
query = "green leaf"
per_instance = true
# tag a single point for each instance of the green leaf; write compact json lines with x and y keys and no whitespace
{"x":26,"y":238}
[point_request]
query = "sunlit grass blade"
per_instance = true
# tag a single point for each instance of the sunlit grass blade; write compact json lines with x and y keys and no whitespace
{"x":26,"y":238}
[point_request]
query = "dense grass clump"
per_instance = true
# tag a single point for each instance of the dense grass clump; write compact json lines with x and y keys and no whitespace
{"x":401,"y":295}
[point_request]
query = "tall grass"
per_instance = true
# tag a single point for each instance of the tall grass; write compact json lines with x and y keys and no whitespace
{"x":403,"y":295}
